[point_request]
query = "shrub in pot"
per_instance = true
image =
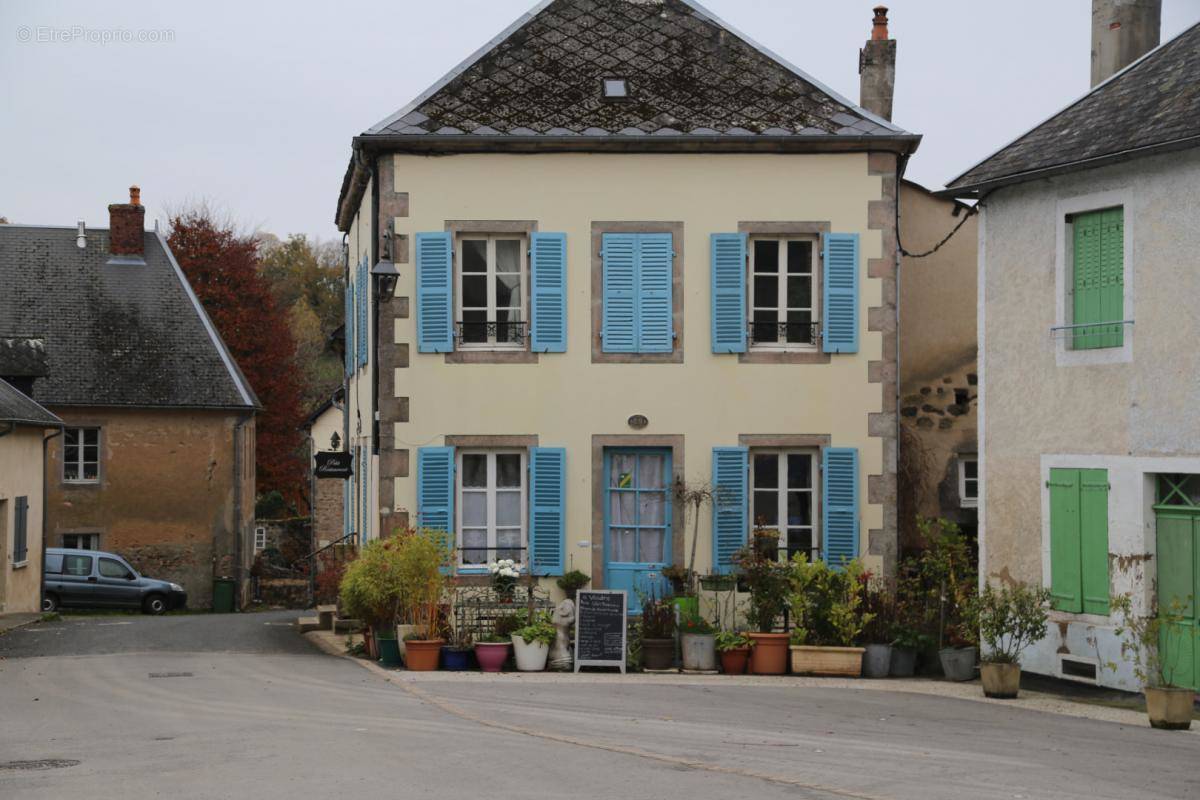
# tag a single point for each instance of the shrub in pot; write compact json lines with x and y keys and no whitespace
{"x":946,"y":578}
{"x":697,"y":643}
{"x":572,"y":582}
{"x":658,"y":634}
{"x":879,"y":627}
{"x":1168,"y":705}
{"x":769,"y":583}
{"x":421,"y":557}
{"x":734,"y":647}
{"x":456,"y":652}
{"x":907,"y":642}
{"x":1010,"y":619}
{"x":531,"y":644}
{"x":372,"y":590}
{"x":491,"y":652}
{"x":827,"y":607}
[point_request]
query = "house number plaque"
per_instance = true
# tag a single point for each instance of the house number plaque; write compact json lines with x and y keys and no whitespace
{"x":638,"y":421}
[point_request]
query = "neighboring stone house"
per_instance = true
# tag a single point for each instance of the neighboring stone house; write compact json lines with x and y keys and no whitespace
{"x":156,"y":461}
{"x":649,"y":250}
{"x":1090,"y":405}
{"x":938,"y":469}
{"x":25,"y":428}
{"x":325,"y":429}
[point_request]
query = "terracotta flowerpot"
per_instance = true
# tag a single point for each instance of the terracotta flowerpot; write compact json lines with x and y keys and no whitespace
{"x":658,"y":653}
{"x":491,"y":655}
{"x":530,"y":656}
{"x":423,"y":654}
{"x":733,"y":662}
{"x":845,"y":662}
{"x":401,"y":632}
{"x":1169,"y":708}
{"x":1002,"y":681}
{"x":769,"y":655}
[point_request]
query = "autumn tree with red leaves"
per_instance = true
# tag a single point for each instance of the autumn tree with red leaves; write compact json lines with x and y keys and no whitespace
{"x":223,"y":268}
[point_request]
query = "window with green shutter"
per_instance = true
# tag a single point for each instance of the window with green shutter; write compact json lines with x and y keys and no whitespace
{"x":1098,"y":279}
{"x":1079,"y":540}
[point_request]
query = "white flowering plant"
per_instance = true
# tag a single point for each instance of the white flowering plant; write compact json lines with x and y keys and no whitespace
{"x":505,"y":573}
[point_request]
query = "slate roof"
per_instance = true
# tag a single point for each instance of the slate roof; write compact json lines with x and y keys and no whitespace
{"x":16,"y":407}
{"x":115,"y":334}
{"x":689,"y":74}
{"x":1151,"y":105}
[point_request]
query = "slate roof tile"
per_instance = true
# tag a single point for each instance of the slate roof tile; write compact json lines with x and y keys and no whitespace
{"x":16,"y":407}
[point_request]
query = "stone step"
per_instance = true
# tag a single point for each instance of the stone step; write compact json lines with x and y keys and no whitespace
{"x":346,"y":625}
{"x":326,"y":615}
{"x":307,"y":624}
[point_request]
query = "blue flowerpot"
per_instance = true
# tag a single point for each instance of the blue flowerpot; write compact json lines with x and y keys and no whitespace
{"x":454,"y":660}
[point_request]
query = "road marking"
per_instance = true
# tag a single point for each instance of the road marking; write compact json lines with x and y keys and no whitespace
{"x":105,"y":624}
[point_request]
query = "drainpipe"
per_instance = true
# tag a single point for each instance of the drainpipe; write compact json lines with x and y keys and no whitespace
{"x":45,"y":501}
{"x":901,"y":165}
{"x":239,"y":447}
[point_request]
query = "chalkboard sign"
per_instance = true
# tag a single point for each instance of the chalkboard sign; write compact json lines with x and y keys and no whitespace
{"x":600,"y":628}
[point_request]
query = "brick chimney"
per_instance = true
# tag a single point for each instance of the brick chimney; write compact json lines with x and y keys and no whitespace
{"x":1122,"y":32}
{"x":877,"y":68}
{"x":126,"y":225}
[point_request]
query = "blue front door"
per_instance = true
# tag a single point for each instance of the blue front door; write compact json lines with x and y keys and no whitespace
{"x":637,"y":522}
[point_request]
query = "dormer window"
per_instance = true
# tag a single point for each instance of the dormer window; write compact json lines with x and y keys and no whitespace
{"x":615,"y":89}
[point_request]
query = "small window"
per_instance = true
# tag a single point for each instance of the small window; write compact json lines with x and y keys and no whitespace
{"x":783,"y":484}
{"x":260,"y":538}
{"x":79,"y":566}
{"x":782,"y":293}
{"x":616,"y":88}
{"x":81,"y":541}
{"x":81,"y":455}
{"x":968,"y":481}
{"x":491,"y":291}
{"x":492,"y":504}
{"x":111,"y":568}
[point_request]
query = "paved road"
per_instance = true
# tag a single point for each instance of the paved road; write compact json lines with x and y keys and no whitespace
{"x":238,"y":706}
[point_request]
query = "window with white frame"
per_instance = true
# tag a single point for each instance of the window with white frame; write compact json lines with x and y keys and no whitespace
{"x":491,"y":506}
{"x":491,"y":290}
{"x":260,"y":538}
{"x":784,"y":499}
{"x":81,"y":455}
{"x":81,"y":541}
{"x":783,"y":297}
{"x":968,"y":481}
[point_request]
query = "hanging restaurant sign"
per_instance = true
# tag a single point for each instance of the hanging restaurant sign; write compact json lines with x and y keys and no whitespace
{"x":334,"y":465}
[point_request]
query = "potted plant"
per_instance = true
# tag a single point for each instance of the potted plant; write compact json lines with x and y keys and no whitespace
{"x":1010,"y":619}
{"x":910,"y":626}
{"x":734,"y":647}
{"x":828,"y":617}
{"x":769,"y":585}
{"x":947,"y":574}
{"x":531,"y":644}
{"x":698,"y":644}
{"x":572,"y":582}
{"x":1169,"y":706}
{"x":372,"y":590}
{"x":421,"y":557}
{"x":907,"y":642}
{"x":389,"y":647}
{"x":879,"y":627}
{"x":658,"y":634}
{"x":505,"y":574}
{"x":491,"y":651}
{"x":456,"y":652}
{"x":718,"y":582}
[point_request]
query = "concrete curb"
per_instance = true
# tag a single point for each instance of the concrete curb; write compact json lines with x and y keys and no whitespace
{"x":10,"y":622}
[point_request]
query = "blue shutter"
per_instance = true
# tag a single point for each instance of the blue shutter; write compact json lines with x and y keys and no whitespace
{"x":352,"y":501}
{"x":548,"y":508}
{"x":655,"y":329}
{"x":435,"y":488}
{"x":841,"y":293}
{"x":618,"y":333}
{"x":730,"y":475}
{"x":839,"y":506}
{"x":364,"y":302}
{"x":347,"y":494}
{"x":549,"y":293}
{"x":435,"y":327}
{"x":350,"y":325}
{"x":365,"y":482}
{"x":728,"y":292}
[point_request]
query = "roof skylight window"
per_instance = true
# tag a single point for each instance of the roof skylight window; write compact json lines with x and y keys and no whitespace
{"x":616,"y":88}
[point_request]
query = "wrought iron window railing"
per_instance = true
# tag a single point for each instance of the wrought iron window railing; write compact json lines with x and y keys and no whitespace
{"x":803,"y":333}
{"x":480,"y":556}
{"x":513,"y":333}
{"x":1092,"y":335}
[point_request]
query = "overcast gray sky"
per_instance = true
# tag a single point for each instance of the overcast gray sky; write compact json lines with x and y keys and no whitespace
{"x":251,"y":106}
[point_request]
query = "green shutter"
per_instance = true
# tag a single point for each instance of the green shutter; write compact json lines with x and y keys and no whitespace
{"x":1179,"y":579}
{"x":1093,"y":539}
{"x":1098,"y":240}
{"x":1065,"y":588}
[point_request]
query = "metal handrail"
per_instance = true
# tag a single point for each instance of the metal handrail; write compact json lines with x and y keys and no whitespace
{"x":319,"y":550}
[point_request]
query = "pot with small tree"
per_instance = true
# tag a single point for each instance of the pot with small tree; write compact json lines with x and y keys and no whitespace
{"x":947,"y":573}
{"x":769,"y":583}
{"x":658,"y":634}
{"x":572,"y":582}
{"x":828,"y":614}
{"x":1010,"y":619}
{"x":531,"y":643}
{"x":734,"y":648}
{"x":1168,"y":705}
{"x":879,"y":628}
{"x":372,"y":589}
{"x":423,"y":555}
{"x":697,"y":644}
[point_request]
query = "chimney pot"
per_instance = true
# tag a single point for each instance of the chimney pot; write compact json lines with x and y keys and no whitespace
{"x":135,"y":195}
{"x":877,"y":68}
{"x":879,"y":30}
{"x":126,"y":226}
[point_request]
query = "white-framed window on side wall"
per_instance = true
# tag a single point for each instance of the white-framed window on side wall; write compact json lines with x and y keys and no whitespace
{"x":783,"y":293}
{"x":490,"y":278}
{"x":968,"y":481}
{"x":492,"y":502}
{"x":81,"y":541}
{"x":81,"y":455}
{"x":783,"y":485}
{"x":260,"y":538}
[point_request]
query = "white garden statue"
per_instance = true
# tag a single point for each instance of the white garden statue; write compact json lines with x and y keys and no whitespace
{"x":562,"y":619}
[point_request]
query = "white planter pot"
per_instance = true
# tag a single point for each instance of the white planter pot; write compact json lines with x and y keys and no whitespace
{"x":530,"y":656}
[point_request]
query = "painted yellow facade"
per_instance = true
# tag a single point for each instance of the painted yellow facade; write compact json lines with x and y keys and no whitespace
{"x":21,"y":476}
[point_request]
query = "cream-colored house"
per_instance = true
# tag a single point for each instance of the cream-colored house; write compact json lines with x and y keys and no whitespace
{"x":1089,"y":421}
{"x":618,"y":248}
{"x":24,"y":428}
